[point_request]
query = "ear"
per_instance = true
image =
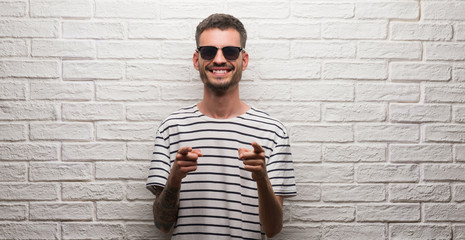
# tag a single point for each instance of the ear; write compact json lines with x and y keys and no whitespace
{"x":195,"y":60}
{"x":245,"y":60}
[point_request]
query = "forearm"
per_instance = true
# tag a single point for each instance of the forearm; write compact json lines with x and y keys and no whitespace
{"x":270,"y":208}
{"x":165,"y":208}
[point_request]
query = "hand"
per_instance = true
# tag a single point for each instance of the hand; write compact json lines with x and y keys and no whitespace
{"x":185,"y":162}
{"x":254,"y":161}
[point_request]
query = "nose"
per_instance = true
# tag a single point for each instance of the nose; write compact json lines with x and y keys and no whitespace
{"x":219,"y":58}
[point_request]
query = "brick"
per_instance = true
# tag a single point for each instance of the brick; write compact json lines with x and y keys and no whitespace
{"x":355,"y":70}
{"x":443,"y":10}
{"x":126,"y":92}
{"x":322,"y":92}
{"x":144,"y":112}
{"x":322,"y":10}
{"x":29,"y":28}
{"x":90,"y":70}
{"x":353,"y":193}
{"x":63,"y":48}
{"x":306,"y":153}
{"x":444,"y":51}
{"x":323,"y":213}
{"x":459,"y":193}
{"x":13,"y":172}
{"x":440,"y":212}
{"x":123,"y":131}
{"x":155,"y":30}
{"x":458,"y":74}
{"x":327,"y":49}
{"x":61,"y":8}
{"x":354,"y":112}
{"x":178,"y":50}
{"x":420,"y":72}
{"x":192,"y":92}
{"x":60,"y":172}
{"x":143,"y":231}
{"x":274,"y":9}
{"x":388,"y":213}
{"x":93,"y":151}
{"x":459,"y":231}
{"x":420,"y":231}
{"x":435,"y":172}
{"x":460,"y":153}
{"x":61,"y":91}
{"x":13,"y":212}
{"x":395,"y":92}
{"x":29,"y":191}
{"x":13,"y":47}
{"x":265,"y":92}
{"x":124,"y":211}
{"x":420,"y":153}
{"x":445,"y":133}
{"x":296,"y":112}
{"x":419,"y":113}
{"x":12,"y":132}
{"x":13,"y":8}
{"x":354,"y":153}
{"x":138,"y":191}
{"x":419,"y":193}
{"x":355,"y":30}
{"x":384,"y":173}
{"x":27,"y":111}
{"x":28,"y":151}
{"x":389,"y":50}
{"x":155,"y":71}
{"x":293,"y":30}
{"x":460,"y":32}
{"x":389,"y":10}
{"x":260,"y":50}
{"x":308,"y":193}
{"x":133,"y":171}
{"x":295,"y":69}
{"x":61,"y":211}
{"x":123,"y":9}
{"x":188,"y":9}
{"x":29,"y":68}
{"x":387,"y":133}
{"x":61,"y":131}
{"x":93,"y":111}
{"x":128,"y":49}
{"x":322,"y":133}
{"x":92,"y":191}
{"x":139,"y":151}
{"x":93,"y":30}
{"x":29,"y":230}
{"x":450,"y":93}
{"x":93,"y":230}
{"x":323,"y":173}
{"x":12,"y":91}
{"x":358,"y":231}
{"x":421,"y":31}
{"x":299,"y":232}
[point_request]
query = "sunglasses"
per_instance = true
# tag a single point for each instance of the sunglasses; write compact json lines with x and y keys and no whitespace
{"x":209,"y":52}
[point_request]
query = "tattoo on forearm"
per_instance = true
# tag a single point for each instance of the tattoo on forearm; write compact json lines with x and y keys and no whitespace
{"x":166,"y":207}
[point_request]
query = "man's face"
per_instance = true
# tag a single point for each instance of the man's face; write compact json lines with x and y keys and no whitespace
{"x":220,"y":74}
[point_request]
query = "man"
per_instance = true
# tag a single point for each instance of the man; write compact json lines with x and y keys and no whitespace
{"x":221,"y":168}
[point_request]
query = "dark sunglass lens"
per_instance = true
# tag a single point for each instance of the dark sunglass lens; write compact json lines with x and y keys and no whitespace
{"x":208,"y":53}
{"x":231,"y":53}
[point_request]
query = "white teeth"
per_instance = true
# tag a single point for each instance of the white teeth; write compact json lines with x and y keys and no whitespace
{"x":220,"y":71}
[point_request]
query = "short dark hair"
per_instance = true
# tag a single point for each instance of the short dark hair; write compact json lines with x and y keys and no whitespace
{"x":223,"y":22}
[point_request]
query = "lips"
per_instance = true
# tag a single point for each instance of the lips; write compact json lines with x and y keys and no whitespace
{"x":220,"y":71}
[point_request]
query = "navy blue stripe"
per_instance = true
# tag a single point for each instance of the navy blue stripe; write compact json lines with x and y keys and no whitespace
{"x":281,"y":153}
{"x":286,"y":193}
{"x":162,"y":169}
{"x":157,"y":176}
{"x":220,"y":208}
{"x":220,"y":191}
{"x":214,"y":234}
{"x":276,"y":162}
{"x":215,"y":139}
{"x":220,"y":174}
{"x":223,"y":217}
{"x":218,"y":225}
{"x":220,"y":130}
{"x":263,"y":122}
{"x":288,"y":177}
{"x":159,"y":145}
{"x":220,"y":200}
{"x":281,"y":169}
{"x":220,"y":182}
{"x":161,"y":161}
{"x":160,"y":153}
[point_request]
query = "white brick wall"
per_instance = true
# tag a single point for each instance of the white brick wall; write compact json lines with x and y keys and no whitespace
{"x":373,"y":94}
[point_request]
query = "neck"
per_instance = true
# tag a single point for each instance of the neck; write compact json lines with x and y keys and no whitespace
{"x":222,"y":105}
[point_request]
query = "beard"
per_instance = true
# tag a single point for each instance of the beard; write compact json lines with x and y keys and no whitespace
{"x":222,"y":86}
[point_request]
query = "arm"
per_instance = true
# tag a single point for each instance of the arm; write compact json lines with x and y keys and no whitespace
{"x":270,"y":206}
{"x":166,"y":204}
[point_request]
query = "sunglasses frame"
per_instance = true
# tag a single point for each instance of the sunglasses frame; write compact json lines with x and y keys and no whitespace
{"x":200,"y":48}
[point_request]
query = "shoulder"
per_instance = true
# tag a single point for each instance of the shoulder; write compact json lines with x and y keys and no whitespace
{"x":265,"y":119}
{"x":179,"y":116}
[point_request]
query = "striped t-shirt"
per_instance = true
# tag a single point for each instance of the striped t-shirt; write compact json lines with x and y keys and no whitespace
{"x":220,"y":200}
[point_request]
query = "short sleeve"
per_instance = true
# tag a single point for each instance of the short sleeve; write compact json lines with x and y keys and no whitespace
{"x":280,"y":168}
{"x":160,"y":165}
